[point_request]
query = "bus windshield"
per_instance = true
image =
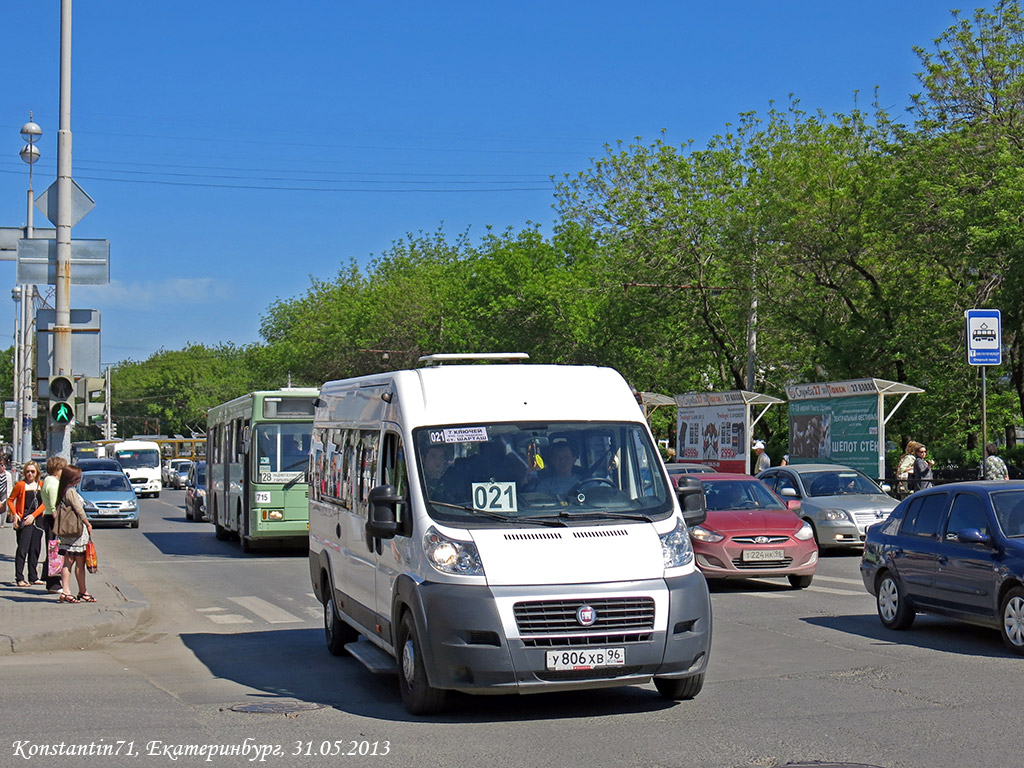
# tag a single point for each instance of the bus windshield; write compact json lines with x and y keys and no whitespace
{"x":282,"y":447}
{"x":138,"y":459}
{"x":485,"y":474}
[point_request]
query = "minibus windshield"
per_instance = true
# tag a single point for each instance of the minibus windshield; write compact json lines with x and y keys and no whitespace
{"x":499,"y":474}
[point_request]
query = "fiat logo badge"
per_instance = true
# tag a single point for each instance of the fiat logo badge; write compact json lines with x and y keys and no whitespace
{"x":586,"y":616}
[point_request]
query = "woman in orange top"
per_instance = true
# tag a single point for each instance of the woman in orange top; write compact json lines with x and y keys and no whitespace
{"x":26,"y":504}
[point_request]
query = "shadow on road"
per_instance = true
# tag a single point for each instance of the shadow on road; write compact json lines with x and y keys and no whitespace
{"x":201,"y":541}
{"x":295,"y":664}
{"x":932,"y":632}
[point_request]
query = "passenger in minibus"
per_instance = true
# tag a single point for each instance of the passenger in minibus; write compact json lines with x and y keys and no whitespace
{"x":559,"y":476}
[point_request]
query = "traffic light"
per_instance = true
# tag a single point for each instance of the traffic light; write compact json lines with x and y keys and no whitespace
{"x":62,"y":406}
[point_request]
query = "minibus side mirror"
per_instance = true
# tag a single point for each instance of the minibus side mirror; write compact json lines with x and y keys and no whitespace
{"x":383,"y":520}
{"x":691,"y":500}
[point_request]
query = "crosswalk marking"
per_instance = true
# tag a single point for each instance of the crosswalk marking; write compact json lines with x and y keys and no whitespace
{"x":854,"y":582}
{"x":266,"y":611}
{"x":228,"y":618}
{"x":831,"y":591}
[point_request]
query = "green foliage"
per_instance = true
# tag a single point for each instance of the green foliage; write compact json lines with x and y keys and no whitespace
{"x":852,"y":244}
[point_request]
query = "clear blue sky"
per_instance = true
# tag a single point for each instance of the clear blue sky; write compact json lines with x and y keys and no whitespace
{"x":235,"y":149}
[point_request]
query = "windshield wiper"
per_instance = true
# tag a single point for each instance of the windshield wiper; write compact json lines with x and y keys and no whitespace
{"x":500,"y":516}
{"x":564,"y":514}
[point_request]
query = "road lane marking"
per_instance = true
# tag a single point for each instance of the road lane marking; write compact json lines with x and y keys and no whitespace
{"x":266,"y":611}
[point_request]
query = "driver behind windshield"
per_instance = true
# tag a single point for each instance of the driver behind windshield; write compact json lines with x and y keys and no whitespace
{"x":559,"y":475}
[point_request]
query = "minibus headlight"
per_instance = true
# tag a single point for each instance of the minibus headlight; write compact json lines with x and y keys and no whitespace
{"x":451,"y":555}
{"x":675,"y":546}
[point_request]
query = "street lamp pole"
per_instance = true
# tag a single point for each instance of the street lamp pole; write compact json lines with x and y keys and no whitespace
{"x":30,"y":132}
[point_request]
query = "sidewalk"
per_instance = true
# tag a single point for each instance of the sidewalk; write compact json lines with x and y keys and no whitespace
{"x":32,"y":620}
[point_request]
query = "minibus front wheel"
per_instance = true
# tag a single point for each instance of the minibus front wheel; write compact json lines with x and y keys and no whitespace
{"x":419,"y":697}
{"x":679,"y":689}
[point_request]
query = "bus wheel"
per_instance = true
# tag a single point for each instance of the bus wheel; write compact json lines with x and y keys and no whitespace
{"x":222,"y":533}
{"x":419,"y":697}
{"x":243,"y":541}
{"x":337,"y":632}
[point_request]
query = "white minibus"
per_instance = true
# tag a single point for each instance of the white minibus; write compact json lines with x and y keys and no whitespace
{"x":499,"y":528}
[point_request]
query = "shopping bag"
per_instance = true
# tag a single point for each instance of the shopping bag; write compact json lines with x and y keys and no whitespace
{"x":91,"y":561}
{"x":54,"y":559}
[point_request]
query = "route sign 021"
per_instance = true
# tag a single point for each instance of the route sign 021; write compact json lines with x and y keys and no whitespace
{"x":984,"y":337}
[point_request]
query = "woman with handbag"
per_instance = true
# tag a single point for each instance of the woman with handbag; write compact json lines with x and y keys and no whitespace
{"x":54,"y":562}
{"x":74,"y":532}
{"x":26,"y":504}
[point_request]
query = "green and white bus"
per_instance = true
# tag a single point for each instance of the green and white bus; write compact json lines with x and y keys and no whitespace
{"x":257,"y":454}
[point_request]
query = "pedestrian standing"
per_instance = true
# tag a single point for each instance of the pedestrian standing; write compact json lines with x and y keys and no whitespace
{"x":904,"y":468}
{"x":995,"y":467}
{"x":921,"y":476}
{"x":75,"y":532}
{"x":26,"y":503}
{"x":54,"y":466}
{"x":6,"y":484}
{"x":763,"y":460}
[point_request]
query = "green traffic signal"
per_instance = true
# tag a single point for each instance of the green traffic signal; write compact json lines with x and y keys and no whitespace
{"x":62,"y":413}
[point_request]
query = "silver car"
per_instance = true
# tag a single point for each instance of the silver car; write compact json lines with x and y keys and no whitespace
{"x":840,"y":503}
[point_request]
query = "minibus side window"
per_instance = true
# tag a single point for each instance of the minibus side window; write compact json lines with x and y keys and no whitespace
{"x":394,"y":472}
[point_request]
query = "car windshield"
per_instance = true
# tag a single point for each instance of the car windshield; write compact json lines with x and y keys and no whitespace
{"x":1009,"y":507}
{"x":112,"y":482}
{"x":691,"y":469}
{"x":201,"y":476}
{"x":282,"y":447}
{"x":489,"y":474}
{"x":844,"y":482}
{"x":138,"y":459}
{"x":720,"y":495}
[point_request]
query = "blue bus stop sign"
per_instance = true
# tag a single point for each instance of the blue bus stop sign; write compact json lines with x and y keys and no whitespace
{"x":984,"y":337}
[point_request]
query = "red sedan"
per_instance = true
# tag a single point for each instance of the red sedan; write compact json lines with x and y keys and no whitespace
{"x":750,"y":532}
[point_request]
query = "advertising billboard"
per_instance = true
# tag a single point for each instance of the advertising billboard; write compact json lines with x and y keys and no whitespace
{"x":835,"y":423}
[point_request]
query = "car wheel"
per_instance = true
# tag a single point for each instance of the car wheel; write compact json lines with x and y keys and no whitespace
{"x":679,"y":689}
{"x":1012,"y":626}
{"x":894,"y":610}
{"x":188,"y":513}
{"x":133,"y":524}
{"x":417,"y":694}
{"x":800,"y":582}
{"x":337,"y":632}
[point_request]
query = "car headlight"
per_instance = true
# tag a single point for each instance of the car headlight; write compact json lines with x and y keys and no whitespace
{"x":834,"y":514}
{"x":128,"y":506}
{"x":89,"y":506}
{"x":200,"y":493}
{"x":676,"y":549}
{"x":805,"y":533}
{"x":451,"y":555}
{"x":700,"y":533}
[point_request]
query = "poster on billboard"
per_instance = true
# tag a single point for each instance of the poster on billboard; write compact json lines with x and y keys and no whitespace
{"x":841,"y":422}
{"x":713,"y":428}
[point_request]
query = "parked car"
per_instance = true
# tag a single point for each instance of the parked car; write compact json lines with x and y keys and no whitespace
{"x":750,"y":532}
{"x":109,"y":497}
{"x":839,"y":502}
{"x":99,"y":465}
{"x":955,"y":550}
{"x":679,"y":469}
{"x":195,"y":492}
{"x":179,"y":472}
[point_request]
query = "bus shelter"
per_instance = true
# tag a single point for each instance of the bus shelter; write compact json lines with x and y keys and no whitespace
{"x":843,"y":422}
{"x":714,"y":428}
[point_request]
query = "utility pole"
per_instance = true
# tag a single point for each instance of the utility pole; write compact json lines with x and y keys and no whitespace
{"x":60,"y":434}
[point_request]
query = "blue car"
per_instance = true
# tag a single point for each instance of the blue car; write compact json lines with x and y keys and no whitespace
{"x":956,"y":550}
{"x":109,"y":498}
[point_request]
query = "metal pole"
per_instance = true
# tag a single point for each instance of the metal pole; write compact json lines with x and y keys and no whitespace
{"x":984,"y":411}
{"x":28,"y":306}
{"x":16,"y":391}
{"x":60,"y":434}
{"x":106,"y":399}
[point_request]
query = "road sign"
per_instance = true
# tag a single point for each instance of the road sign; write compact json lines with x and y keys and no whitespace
{"x":984,"y":337}
{"x":81,"y":203}
{"x":37,"y":262}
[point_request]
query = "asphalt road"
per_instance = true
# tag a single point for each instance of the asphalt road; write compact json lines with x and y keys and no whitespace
{"x":795,"y":676}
